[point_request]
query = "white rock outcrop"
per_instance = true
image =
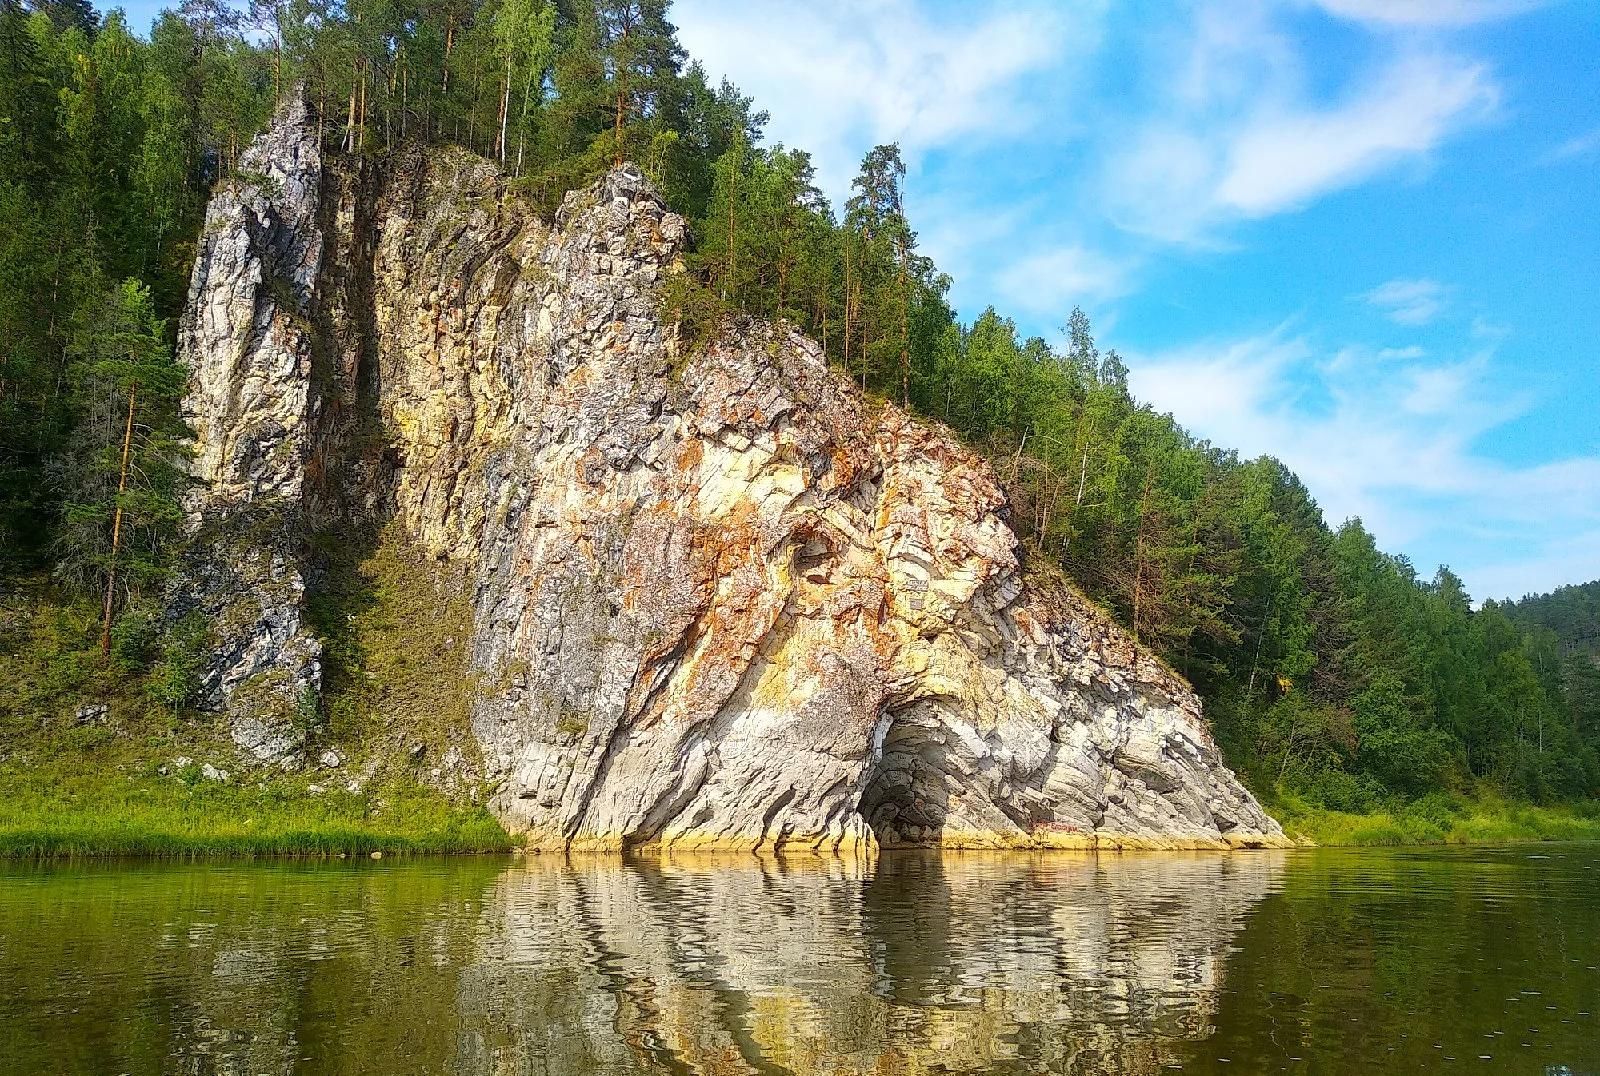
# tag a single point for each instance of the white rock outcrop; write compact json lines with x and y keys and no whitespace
{"x":247,"y":340}
{"x":722,"y":600}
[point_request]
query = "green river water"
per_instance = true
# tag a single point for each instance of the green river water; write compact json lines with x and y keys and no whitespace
{"x":1481,"y":960}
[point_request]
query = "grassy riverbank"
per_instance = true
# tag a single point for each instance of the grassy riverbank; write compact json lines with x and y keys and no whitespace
{"x":1440,"y":819}
{"x":99,"y":756}
{"x":185,"y":814}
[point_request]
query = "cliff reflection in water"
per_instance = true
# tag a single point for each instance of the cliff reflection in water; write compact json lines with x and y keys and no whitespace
{"x":971,"y":963}
{"x":955,"y":964}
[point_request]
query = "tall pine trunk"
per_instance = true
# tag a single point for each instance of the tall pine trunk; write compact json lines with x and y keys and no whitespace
{"x":1141,"y":544}
{"x":116,"y":526}
{"x":505,"y":107}
{"x":733,"y":194}
{"x":350,"y":124}
{"x":621,"y":110}
{"x":848,"y":293}
{"x":905,"y":325}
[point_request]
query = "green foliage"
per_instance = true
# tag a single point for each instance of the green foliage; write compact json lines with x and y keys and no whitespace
{"x":174,"y":679}
{"x":78,"y":781}
{"x":108,"y":145}
{"x":119,"y":468}
{"x":50,"y":663}
{"x":1437,"y":818}
{"x":694,"y":310}
{"x":1393,"y":746}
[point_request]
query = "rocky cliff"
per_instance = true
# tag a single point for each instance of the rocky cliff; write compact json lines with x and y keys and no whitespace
{"x":719,"y":599}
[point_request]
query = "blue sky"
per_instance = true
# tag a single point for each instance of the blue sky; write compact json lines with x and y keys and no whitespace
{"x":1359,"y":235}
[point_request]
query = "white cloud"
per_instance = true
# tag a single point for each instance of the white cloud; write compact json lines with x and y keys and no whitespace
{"x":1409,"y":302}
{"x":1484,"y":329}
{"x":1053,"y":280}
{"x":963,"y":233}
{"x":1244,"y":122}
{"x":1412,"y":352}
{"x":1427,"y":12}
{"x":1574,"y":559}
{"x":1392,"y":438}
{"x":1285,"y":156}
{"x":1186,"y":172}
{"x":1441,"y":390}
{"x":840,"y":77}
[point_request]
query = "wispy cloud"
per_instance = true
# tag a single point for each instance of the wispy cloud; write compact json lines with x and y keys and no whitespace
{"x":1281,"y":158}
{"x":839,"y":77}
{"x":1195,"y":168}
{"x":1241,"y":123}
{"x":1427,"y":12}
{"x":1586,"y":144}
{"x":1409,"y":302}
{"x":1052,"y":280}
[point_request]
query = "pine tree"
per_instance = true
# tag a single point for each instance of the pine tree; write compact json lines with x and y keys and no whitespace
{"x":881,"y":242}
{"x":641,"y":51}
{"x":119,"y":477}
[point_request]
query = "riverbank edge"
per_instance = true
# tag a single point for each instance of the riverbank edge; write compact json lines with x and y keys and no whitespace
{"x":222,"y":837}
{"x":69,"y":809}
{"x":22,"y":844}
{"x":70,"y":815}
{"x":475,"y":832}
{"x":1477,"y":824}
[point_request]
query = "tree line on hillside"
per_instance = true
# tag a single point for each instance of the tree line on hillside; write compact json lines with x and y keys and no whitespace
{"x":1567,"y":622}
{"x":1329,"y":667}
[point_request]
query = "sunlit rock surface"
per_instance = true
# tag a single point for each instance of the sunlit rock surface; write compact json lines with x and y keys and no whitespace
{"x":247,"y":341}
{"x":722,"y":601}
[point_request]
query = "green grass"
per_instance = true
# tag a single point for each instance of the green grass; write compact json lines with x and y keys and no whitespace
{"x":1439,"y":819}
{"x":110,"y":814}
{"x":69,"y":788}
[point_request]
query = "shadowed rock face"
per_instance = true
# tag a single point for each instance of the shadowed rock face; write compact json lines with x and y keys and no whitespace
{"x":722,"y":600}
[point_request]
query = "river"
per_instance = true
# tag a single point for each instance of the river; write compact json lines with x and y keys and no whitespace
{"x":1306,"y":961}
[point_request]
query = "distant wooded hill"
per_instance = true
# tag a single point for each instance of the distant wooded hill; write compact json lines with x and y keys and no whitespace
{"x":1572,"y":613}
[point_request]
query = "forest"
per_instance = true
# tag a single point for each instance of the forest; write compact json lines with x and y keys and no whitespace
{"x":1334,"y":674}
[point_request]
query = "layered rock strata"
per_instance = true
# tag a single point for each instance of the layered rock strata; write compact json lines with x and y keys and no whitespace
{"x":722,"y":600}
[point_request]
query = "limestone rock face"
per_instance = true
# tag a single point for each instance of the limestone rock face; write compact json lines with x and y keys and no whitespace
{"x":247,"y":342}
{"x":722,"y":600}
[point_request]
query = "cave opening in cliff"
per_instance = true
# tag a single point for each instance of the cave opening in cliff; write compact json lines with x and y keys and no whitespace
{"x":906,"y":799}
